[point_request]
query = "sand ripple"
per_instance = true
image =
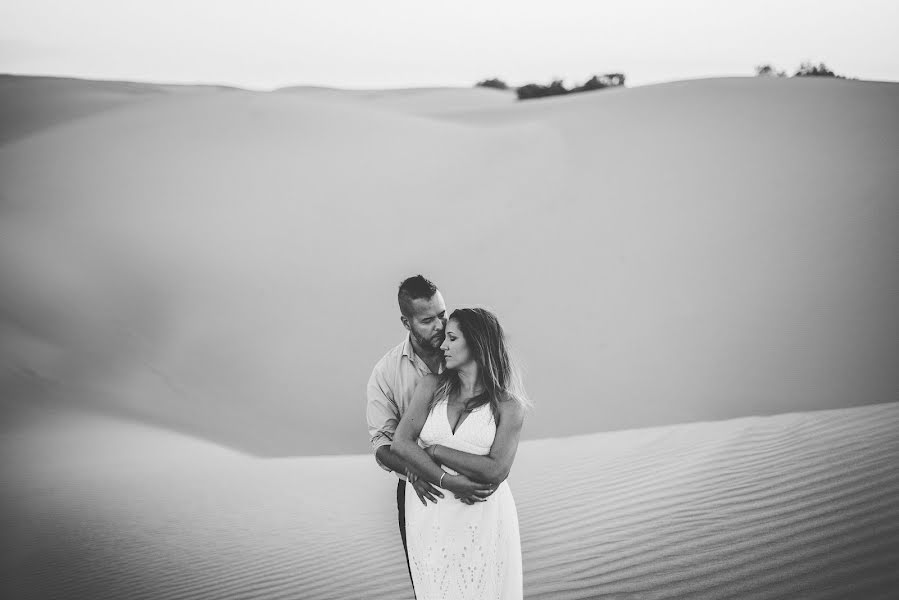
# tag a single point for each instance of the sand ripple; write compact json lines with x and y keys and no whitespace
{"x":801,"y":505}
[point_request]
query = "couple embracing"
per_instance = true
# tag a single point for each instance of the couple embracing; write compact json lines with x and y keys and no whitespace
{"x":445,"y":410}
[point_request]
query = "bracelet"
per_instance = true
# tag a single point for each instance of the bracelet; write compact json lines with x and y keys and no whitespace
{"x":440,"y":481}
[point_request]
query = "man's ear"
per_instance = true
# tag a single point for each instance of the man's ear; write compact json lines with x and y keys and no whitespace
{"x":405,"y":322}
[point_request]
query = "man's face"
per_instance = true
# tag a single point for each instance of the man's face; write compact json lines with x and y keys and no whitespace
{"x":428,"y":321}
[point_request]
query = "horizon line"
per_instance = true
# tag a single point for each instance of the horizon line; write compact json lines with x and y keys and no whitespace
{"x":423,"y":86}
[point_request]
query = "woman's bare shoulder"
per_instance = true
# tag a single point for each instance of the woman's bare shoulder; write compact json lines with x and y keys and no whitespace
{"x":510,"y":408}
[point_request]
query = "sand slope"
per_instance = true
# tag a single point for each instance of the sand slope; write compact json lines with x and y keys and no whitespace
{"x":224,"y":263}
{"x":802,"y":505}
{"x":430,"y":102}
{"x":31,"y":104}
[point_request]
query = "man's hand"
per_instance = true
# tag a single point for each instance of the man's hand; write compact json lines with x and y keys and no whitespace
{"x":423,"y":489}
{"x":476,"y":496}
{"x":466,"y":490}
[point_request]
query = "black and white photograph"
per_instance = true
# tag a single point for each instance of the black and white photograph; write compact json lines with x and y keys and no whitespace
{"x":411,"y":300}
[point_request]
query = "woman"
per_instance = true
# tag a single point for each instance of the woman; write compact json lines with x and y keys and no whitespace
{"x":461,"y":433}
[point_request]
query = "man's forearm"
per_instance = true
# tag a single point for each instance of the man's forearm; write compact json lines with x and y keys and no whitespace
{"x":391,"y":460}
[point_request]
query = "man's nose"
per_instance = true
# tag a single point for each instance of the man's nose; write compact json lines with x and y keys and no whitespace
{"x":441,"y":324}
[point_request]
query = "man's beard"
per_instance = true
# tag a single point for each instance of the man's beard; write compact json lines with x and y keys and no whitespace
{"x":432,"y":343}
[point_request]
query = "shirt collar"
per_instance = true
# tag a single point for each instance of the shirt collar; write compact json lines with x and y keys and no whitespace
{"x":409,"y":352}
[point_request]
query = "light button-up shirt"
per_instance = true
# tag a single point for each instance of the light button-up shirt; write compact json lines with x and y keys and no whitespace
{"x":389,"y":393}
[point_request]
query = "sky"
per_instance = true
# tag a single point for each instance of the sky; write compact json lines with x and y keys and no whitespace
{"x":265,"y":44}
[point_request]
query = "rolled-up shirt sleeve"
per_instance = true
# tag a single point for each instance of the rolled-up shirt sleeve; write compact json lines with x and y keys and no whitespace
{"x":382,"y":412}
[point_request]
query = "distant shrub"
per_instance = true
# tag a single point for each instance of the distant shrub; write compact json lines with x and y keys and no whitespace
{"x":535,"y":90}
{"x":806,"y":69}
{"x":614,"y":79}
{"x":557,"y":87}
{"x":531,"y":90}
{"x":600,"y":82}
{"x":768,"y":70}
{"x":497,"y":84}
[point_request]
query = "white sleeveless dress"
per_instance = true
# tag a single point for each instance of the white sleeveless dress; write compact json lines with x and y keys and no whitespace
{"x":459,"y":551}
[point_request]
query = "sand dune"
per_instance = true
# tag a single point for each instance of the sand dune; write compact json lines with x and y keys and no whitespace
{"x":195,"y":279}
{"x":224,"y":263}
{"x":31,"y":104}
{"x":802,"y":505}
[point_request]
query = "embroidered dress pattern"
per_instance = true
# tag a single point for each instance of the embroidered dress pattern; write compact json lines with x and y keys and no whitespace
{"x":459,"y":551}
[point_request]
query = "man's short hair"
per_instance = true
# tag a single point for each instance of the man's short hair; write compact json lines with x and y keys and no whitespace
{"x":411,"y":289}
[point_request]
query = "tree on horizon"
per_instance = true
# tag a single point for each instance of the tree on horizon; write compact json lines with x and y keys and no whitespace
{"x":805,"y":69}
{"x":768,"y":70}
{"x":494,"y":83}
{"x":557,"y":87}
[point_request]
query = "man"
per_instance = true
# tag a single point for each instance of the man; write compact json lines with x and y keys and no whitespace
{"x":393,"y":380}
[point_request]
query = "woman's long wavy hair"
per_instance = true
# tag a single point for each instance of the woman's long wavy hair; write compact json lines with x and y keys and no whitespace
{"x":497,"y":371}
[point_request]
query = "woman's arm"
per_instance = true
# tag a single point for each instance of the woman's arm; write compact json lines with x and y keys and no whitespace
{"x":495,"y":466}
{"x":405,"y":440}
{"x":405,"y":444}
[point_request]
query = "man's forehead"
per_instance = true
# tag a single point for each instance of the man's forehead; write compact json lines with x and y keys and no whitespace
{"x":428,"y":307}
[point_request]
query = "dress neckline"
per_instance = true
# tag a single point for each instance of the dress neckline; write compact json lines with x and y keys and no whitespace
{"x":461,"y":421}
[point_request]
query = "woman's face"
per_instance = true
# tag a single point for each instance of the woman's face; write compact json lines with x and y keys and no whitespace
{"x":455,"y":349}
